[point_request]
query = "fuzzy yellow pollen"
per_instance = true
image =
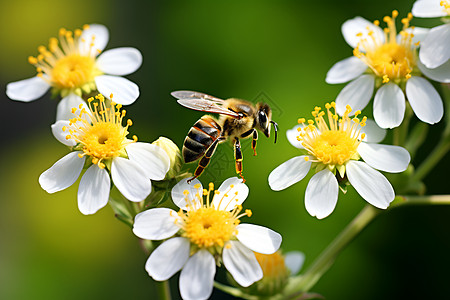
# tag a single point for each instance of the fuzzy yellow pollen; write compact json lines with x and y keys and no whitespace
{"x":389,"y":58}
{"x":301,"y":120}
{"x":99,"y":131}
{"x":208,"y":224}
{"x":330,"y":140}
{"x":67,"y":68}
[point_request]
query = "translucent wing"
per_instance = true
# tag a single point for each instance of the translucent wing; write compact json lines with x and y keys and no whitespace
{"x":203,"y":102}
{"x":195,"y":95}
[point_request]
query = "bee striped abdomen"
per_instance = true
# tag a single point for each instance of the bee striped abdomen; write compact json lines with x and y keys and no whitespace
{"x":204,"y":132}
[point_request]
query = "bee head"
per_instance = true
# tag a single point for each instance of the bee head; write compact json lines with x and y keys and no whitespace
{"x":264,"y":119}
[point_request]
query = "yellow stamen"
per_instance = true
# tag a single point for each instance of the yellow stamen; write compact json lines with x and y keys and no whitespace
{"x":68,"y":68}
{"x":207,"y":224}
{"x":334,"y":142}
{"x":99,"y":133}
{"x":390,"y":59}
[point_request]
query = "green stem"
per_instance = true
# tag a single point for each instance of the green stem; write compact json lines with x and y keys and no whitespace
{"x":327,"y":257}
{"x":233,"y":291}
{"x":400,"y":133}
{"x":430,"y":162}
{"x":423,"y":200}
{"x":303,"y":283}
{"x":163,"y":288}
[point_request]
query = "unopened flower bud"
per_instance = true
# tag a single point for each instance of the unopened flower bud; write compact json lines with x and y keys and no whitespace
{"x":174,"y":154}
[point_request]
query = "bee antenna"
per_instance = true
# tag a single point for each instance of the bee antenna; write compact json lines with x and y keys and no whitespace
{"x":275,"y":127}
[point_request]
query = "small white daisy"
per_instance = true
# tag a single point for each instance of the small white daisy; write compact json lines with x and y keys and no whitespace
{"x":98,"y":134}
{"x":334,"y":151}
{"x":435,"y":51}
{"x":72,"y":66}
{"x":387,"y":62}
{"x":203,"y":234}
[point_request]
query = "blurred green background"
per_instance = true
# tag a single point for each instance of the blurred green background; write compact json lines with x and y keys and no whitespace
{"x":272,"y":51}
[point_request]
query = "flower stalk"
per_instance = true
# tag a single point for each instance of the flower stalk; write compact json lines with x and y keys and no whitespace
{"x":328,"y":256}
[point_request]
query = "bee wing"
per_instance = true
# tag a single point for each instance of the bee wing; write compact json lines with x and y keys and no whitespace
{"x":207,"y":106}
{"x":195,"y":95}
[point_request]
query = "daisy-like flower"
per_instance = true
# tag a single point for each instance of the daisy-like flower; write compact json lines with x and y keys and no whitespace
{"x":435,"y":51}
{"x":71,"y":66}
{"x":203,"y":234}
{"x":385,"y":61}
{"x":334,"y":151}
{"x":98,"y":139}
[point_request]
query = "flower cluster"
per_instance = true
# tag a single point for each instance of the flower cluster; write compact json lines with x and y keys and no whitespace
{"x":391,"y":65}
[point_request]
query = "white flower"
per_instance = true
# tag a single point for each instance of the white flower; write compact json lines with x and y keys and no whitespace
{"x":334,"y":152}
{"x":387,"y":62}
{"x":72,"y":66}
{"x":201,"y":232}
{"x":99,"y":135}
{"x":435,"y":51}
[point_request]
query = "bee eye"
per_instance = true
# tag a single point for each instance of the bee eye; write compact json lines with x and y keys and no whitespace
{"x":262,"y":119}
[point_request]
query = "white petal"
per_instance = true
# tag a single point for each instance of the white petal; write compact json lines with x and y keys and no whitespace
{"x":374,"y":133}
{"x":27,"y":90}
{"x":346,"y":70}
{"x":156,"y":224}
{"x":370,"y":184}
{"x":356,"y":94}
{"x":130,"y":180}
{"x":419,"y":34}
{"x":119,"y":61}
{"x":435,"y":50}
{"x":64,"y":109}
{"x":289,"y":172}
{"x":63,"y":173}
{"x":428,"y":9}
{"x":229,"y":197}
{"x":439,"y":74}
{"x":60,"y":135}
{"x":97,"y":34}
{"x":168,"y":258}
{"x":153,"y":160}
{"x":357,"y":25}
{"x":387,"y":158}
{"x":292,"y":135}
{"x":321,"y":194}
{"x":93,"y":191}
{"x":258,"y":238}
{"x":424,"y":99}
{"x":197,"y":276}
{"x":294,"y":261}
{"x":178,"y":197}
{"x":389,"y":106}
{"x":125,"y":91}
{"x":241,"y":263}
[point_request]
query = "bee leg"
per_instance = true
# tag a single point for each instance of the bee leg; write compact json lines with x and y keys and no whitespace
{"x":238,"y":157}
{"x":204,"y":161}
{"x":254,"y":140}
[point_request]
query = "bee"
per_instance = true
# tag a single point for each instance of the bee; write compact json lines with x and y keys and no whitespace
{"x":238,"y":119}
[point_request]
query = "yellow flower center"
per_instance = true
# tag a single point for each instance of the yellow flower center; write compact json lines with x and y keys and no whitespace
{"x":207,"y":226}
{"x":66,"y":68}
{"x":446,"y":6}
{"x":272,"y":265}
{"x":73,"y":71}
{"x":99,"y":132}
{"x":332,"y":144}
{"x":389,"y":59}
